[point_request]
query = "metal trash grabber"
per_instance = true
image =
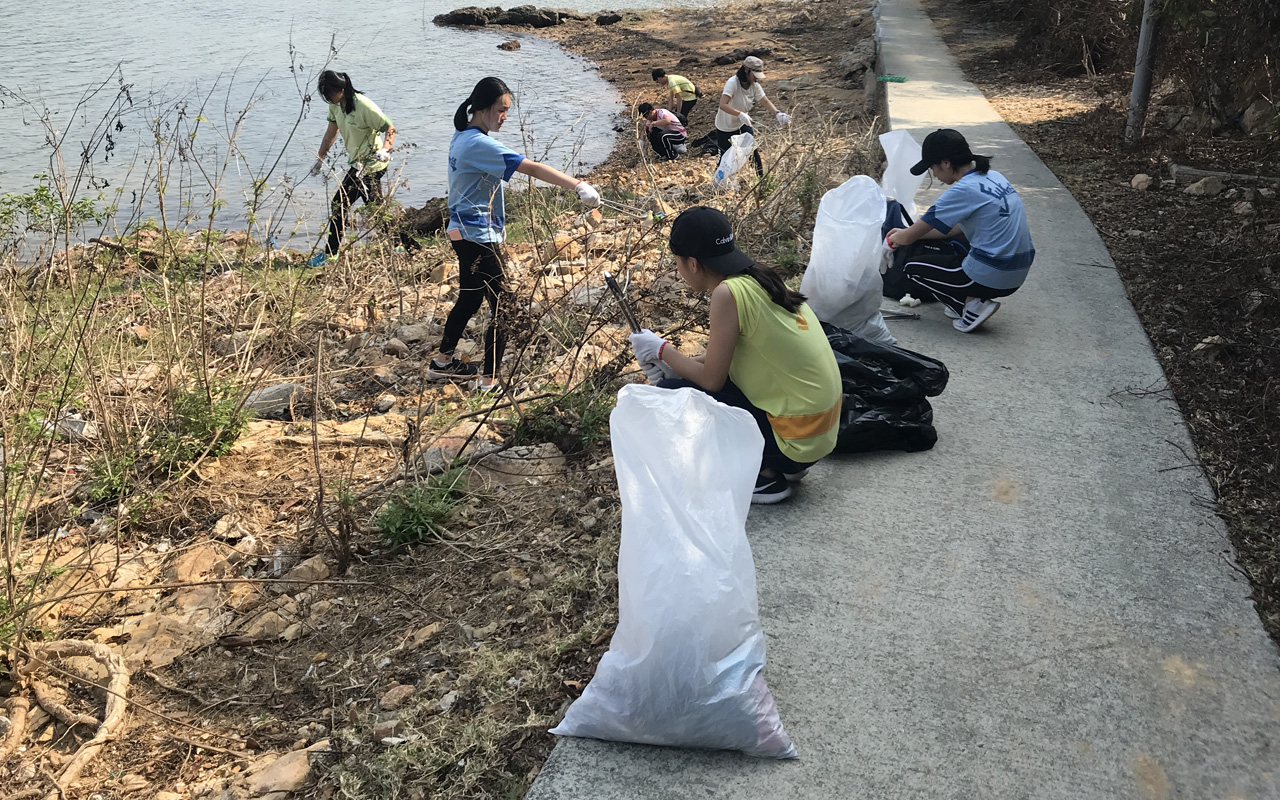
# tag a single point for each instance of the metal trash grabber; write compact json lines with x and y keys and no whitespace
{"x":621,"y":297}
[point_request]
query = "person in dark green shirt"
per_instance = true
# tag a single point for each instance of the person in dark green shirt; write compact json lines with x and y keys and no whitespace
{"x":368,"y":136}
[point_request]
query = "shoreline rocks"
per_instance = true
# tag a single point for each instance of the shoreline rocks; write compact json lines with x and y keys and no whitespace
{"x":526,"y":16}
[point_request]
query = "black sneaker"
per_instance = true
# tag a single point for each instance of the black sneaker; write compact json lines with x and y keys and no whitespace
{"x":454,"y":369}
{"x":770,"y":490}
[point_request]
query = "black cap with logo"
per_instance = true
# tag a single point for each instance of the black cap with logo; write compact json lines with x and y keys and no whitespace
{"x":704,"y":233}
{"x":944,"y":144}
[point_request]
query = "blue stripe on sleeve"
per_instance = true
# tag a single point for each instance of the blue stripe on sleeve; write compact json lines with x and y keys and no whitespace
{"x":932,"y":218}
{"x":512,"y":162}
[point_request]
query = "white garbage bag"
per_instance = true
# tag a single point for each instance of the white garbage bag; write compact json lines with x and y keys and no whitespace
{"x":843,"y":280}
{"x":901,"y":153}
{"x":684,"y":666}
{"x":731,"y":160}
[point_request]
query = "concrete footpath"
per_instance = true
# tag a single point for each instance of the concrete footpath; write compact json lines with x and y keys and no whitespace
{"x":1043,"y":606}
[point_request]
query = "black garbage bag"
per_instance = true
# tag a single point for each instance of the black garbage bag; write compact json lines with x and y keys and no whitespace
{"x":885,"y":391}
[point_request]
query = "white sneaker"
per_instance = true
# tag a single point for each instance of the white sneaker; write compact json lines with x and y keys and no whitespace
{"x":975,"y":313}
{"x":680,"y":148}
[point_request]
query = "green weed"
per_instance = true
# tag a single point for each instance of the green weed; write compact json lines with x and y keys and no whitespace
{"x":413,"y":514}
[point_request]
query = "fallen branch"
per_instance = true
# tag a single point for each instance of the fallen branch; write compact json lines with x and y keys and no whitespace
{"x":44,"y":696}
{"x":17,"y":708}
{"x":119,"y":248}
{"x":112,"y":718}
{"x":1183,"y":174}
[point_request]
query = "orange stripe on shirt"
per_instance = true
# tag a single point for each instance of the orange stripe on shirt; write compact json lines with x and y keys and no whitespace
{"x":806,"y":426}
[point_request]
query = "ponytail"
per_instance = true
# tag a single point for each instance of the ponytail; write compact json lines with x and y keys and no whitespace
{"x":778,"y":292}
{"x":331,"y":82}
{"x":487,"y":92}
{"x":743,"y":76}
{"x":981,"y":164}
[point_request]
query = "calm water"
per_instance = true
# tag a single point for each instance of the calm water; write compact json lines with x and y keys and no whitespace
{"x":194,"y":58}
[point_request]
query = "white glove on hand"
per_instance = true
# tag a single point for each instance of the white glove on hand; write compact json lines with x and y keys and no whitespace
{"x":744,"y":118}
{"x":316,"y":167}
{"x":784,"y":119}
{"x":658,"y":370}
{"x":588,"y":194}
{"x":383,"y":155}
{"x":647,"y":345}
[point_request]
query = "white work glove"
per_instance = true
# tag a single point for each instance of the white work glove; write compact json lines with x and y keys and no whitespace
{"x":647,"y":345}
{"x":744,"y":118}
{"x":784,"y":119}
{"x":658,"y":370}
{"x":316,"y":167}
{"x":383,"y":155}
{"x":587,"y":194}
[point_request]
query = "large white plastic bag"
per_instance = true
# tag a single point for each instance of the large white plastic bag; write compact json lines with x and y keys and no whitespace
{"x":843,"y":280}
{"x":684,"y":666}
{"x":733,"y":159}
{"x":901,"y":153}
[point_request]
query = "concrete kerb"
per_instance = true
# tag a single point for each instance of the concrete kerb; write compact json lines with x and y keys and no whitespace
{"x":1038,"y":607}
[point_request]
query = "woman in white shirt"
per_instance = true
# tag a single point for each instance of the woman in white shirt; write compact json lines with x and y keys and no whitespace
{"x":740,"y":95}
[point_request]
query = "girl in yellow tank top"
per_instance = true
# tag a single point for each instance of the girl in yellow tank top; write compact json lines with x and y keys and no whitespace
{"x":766,"y":352}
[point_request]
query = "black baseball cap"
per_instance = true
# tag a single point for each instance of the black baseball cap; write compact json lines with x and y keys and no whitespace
{"x":704,"y":233}
{"x":944,"y":144}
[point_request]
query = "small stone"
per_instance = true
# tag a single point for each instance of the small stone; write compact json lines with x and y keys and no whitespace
{"x":1142,"y":182}
{"x":413,"y":333}
{"x":387,"y":728}
{"x":1206,"y":187}
{"x":141,"y":333}
{"x":447,"y":703}
{"x":383,"y":375}
{"x":167,"y":796}
{"x":1243,"y":209}
{"x":588,"y":522}
{"x":275,"y":402}
{"x":266,"y":627}
{"x":384,"y":403}
{"x":286,"y":774}
{"x":292,"y":632}
{"x":510,"y":46}
{"x":1266,"y":194}
{"x":396,"y":348}
{"x":356,"y":341}
{"x":133,"y":783}
{"x":309,"y":571}
{"x":394,"y":697}
{"x":425,"y":633}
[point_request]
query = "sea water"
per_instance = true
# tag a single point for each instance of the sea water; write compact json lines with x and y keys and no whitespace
{"x":209,"y":96}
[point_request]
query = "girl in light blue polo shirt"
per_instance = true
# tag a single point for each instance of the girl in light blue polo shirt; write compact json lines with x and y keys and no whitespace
{"x":982,"y":205}
{"x":478,"y":166}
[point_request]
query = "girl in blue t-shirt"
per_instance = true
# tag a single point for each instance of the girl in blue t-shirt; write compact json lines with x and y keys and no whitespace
{"x":478,"y":166}
{"x":983,"y":206}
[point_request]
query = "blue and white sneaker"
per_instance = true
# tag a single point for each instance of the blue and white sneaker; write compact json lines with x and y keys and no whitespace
{"x":320,"y":259}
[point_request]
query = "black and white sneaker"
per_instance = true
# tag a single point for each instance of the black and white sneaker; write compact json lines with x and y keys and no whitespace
{"x":770,"y":490}
{"x":453,"y":370}
{"x":795,"y":477}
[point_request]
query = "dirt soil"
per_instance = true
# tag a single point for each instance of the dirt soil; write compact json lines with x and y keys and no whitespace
{"x":1200,"y":270}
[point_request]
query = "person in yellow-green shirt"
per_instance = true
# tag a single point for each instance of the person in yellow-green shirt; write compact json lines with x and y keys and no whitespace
{"x":766,"y":352}
{"x":684,"y":95}
{"x":368,"y":136}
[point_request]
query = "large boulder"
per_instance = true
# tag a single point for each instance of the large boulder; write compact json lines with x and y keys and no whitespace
{"x":528,"y":17}
{"x":422,"y":223}
{"x":469,"y":15}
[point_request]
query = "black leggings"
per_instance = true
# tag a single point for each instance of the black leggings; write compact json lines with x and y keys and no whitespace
{"x":480,"y":277}
{"x":354,"y":187}
{"x":721,"y":138}
{"x":948,"y":283}
{"x":664,"y":143}
{"x":731,"y":395}
{"x":686,"y":108}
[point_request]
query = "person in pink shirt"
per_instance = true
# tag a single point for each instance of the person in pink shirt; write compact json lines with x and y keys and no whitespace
{"x":666,"y":134}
